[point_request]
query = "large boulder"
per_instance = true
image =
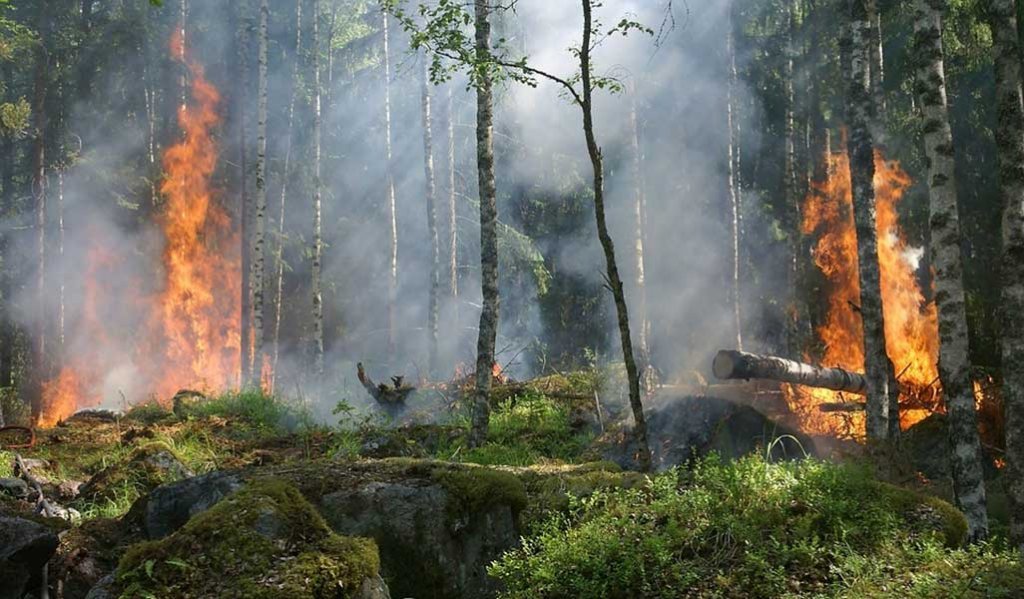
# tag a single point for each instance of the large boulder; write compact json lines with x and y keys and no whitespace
{"x":437,"y":526}
{"x":263,"y":541}
{"x":167,"y":508}
{"x":681,"y":429}
{"x":25,"y":547}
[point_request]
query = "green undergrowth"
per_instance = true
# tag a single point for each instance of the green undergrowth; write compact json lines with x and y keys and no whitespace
{"x":529,"y":429}
{"x":754,"y":529}
{"x":265,"y":540}
{"x":263,"y":414}
{"x":524,"y":429}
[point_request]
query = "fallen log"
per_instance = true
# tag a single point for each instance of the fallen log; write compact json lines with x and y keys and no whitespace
{"x":731,"y":364}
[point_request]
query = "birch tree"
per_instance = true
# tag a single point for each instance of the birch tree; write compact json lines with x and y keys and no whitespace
{"x":954,"y":361}
{"x":1009,"y":134}
{"x":639,"y":232}
{"x":862,"y":172}
{"x":735,"y":210}
{"x":260,"y":220}
{"x":318,"y":307}
{"x":453,"y":229}
{"x":431,"y":205}
{"x":389,"y":197}
{"x":286,"y":174}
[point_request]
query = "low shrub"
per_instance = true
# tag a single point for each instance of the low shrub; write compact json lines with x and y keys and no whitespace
{"x":753,"y":529}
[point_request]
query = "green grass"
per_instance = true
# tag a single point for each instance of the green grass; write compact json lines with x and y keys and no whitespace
{"x":526,"y":430}
{"x":263,"y":414}
{"x":753,"y":529}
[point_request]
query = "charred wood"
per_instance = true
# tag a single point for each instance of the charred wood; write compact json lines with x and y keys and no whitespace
{"x":393,"y":394}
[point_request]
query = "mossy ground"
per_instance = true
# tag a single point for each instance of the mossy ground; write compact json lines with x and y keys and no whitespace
{"x":263,"y":541}
{"x":784,"y":531}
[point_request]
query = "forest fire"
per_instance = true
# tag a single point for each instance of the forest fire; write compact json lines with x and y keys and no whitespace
{"x":911,"y":325}
{"x":188,"y":326}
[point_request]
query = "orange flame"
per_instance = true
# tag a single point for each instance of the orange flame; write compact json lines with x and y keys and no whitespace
{"x":199,"y":310}
{"x":189,"y":330}
{"x":60,"y":397}
{"x":911,"y":323}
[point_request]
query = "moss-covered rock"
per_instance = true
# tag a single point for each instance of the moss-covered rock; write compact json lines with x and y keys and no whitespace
{"x":265,"y":540}
{"x":926,"y":513}
{"x":145,"y":469}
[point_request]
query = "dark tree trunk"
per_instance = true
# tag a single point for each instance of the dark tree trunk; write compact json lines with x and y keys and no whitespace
{"x":241,"y":105}
{"x":614,"y":280}
{"x":39,"y":192}
{"x":488,"y":330}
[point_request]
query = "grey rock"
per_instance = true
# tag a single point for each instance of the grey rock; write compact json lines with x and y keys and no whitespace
{"x":104,"y":589}
{"x":681,"y":429}
{"x":424,"y":551}
{"x":168,"y":507}
{"x":25,"y":547}
{"x":373,"y":588}
{"x":15,"y":487}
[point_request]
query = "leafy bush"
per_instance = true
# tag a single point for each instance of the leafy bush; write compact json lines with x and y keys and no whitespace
{"x":752,"y":529}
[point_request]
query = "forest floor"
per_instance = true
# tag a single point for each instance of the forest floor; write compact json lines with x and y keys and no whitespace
{"x":740,"y":527}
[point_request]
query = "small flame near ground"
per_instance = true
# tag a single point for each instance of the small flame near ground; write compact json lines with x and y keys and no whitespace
{"x":188,"y":329}
{"x":911,"y":323}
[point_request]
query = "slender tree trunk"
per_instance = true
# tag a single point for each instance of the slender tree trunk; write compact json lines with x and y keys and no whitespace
{"x":318,"y":307}
{"x":245,"y":216}
{"x":259,"y":231}
{"x":877,"y":59}
{"x":435,"y":241}
{"x":1010,"y":145}
{"x":453,"y":229}
{"x":149,"y":89}
{"x":734,"y":195}
{"x":182,"y":82}
{"x":488,"y":331}
{"x":954,"y":360}
{"x":390,"y":208}
{"x":39,"y":192}
{"x":285,"y":174}
{"x":614,"y":281}
{"x":862,"y":171}
{"x":639,"y":231}
{"x":795,"y":316}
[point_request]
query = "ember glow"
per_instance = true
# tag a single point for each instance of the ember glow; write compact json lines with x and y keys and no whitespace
{"x":911,"y":323}
{"x":188,"y":325}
